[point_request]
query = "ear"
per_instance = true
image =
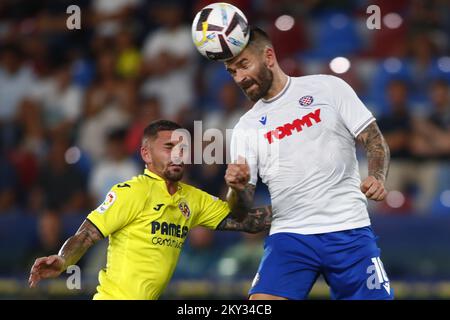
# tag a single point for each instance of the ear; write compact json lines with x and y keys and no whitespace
{"x":269,"y":57}
{"x":145,"y":154}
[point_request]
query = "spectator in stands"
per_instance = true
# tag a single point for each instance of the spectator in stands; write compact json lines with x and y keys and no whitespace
{"x":396,"y":128}
{"x":109,"y":15}
{"x":230,"y":108}
{"x":432,"y":134}
{"x":109,"y":104}
{"x":129,"y":56}
{"x":49,"y":233}
{"x":61,"y":185}
{"x":16,"y":80}
{"x":148,"y":111}
{"x":169,"y":62}
{"x":115,"y":167}
{"x":60,"y":100}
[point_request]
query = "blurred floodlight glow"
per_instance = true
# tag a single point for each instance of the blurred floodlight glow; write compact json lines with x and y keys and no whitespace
{"x":72,"y":155}
{"x":392,"y":20}
{"x":445,"y":198}
{"x":340,"y":65}
{"x":339,"y":21}
{"x":395,"y":199}
{"x":284,"y":22}
{"x":227,"y":266}
{"x":444,"y":64}
{"x":392,"y":65}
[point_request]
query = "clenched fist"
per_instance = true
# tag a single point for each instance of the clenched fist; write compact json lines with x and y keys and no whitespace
{"x":373,"y":188}
{"x":238,"y":174}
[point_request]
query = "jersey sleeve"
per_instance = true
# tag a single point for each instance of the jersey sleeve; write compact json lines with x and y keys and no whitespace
{"x":354,"y":113}
{"x":212,"y":210}
{"x":240,"y":145}
{"x":121,"y":206}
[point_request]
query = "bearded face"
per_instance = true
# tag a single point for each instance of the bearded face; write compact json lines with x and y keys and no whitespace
{"x":251,"y":74}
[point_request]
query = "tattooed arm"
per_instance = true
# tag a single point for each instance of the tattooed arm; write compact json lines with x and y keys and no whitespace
{"x":257,"y":220}
{"x":241,"y":201}
{"x":378,"y":156}
{"x":72,"y":250}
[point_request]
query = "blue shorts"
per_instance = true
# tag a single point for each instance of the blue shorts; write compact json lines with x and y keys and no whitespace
{"x":348,"y":260}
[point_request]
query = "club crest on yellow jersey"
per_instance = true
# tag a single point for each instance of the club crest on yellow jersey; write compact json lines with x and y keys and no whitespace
{"x":184,"y":208}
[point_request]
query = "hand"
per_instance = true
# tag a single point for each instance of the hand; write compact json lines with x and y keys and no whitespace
{"x":238,"y":174}
{"x":373,"y":188}
{"x":45,"y":267}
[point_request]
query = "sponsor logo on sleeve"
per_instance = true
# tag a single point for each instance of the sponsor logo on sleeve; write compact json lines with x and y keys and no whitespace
{"x":109,"y":200}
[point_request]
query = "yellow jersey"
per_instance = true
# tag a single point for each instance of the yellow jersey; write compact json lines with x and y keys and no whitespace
{"x":147,"y":227}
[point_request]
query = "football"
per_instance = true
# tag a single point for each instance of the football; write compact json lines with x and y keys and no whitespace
{"x":220,"y":31}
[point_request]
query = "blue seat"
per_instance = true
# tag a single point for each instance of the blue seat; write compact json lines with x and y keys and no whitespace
{"x":337,"y":36}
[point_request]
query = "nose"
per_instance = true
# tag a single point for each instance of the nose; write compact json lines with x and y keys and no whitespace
{"x":240,"y":77}
{"x":177,"y":155}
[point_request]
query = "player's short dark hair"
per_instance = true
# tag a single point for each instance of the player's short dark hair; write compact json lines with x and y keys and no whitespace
{"x":259,"y":40}
{"x":151,"y":131}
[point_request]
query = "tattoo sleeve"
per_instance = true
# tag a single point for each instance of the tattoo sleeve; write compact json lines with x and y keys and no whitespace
{"x":76,"y":246}
{"x":377,"y":150}
{"x":241,"y":201}
{"x":257,"y":220}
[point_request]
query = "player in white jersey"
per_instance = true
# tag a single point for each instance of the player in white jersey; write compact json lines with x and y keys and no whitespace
{"x":300,"y":138}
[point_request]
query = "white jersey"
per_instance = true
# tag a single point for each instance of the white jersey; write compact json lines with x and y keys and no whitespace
{"x":302,"y":144}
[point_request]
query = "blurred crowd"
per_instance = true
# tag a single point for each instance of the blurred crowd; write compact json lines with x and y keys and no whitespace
{"x":74,"y":103}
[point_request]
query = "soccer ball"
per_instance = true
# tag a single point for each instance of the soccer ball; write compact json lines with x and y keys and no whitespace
{"x":220,"y":31}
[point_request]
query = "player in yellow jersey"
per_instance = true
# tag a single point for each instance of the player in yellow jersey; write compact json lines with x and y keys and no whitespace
{"x":147,"y":220}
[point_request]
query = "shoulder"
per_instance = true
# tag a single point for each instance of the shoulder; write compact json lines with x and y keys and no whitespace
{"x":197,"y":194}
{"x":191,"y":190}
{"x":136,"y":187}
{"x":319,"y":79}
{"x":246,"y":121}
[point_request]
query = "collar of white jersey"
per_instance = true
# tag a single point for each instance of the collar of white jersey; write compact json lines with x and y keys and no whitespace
{"x":280,"y":94}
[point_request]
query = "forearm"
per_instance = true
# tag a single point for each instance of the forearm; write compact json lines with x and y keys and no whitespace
{"x":377,"y":150}
{"x":73,"y":249}
{"x":378,"y":162}
{"x":240,"y":202}
{"x":77,"y":245}
{"x":257,"y":220}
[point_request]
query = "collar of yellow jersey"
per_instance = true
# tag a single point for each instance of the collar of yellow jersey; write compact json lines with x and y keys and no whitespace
{"x":152,"y":175}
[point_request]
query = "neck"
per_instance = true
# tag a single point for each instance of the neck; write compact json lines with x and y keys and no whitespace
{"x":172,"y":187}
{"x":278,"y":83}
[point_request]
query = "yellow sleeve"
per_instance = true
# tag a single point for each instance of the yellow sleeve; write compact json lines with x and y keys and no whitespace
{"x":212,"y":210}
{"x":121,"y":206}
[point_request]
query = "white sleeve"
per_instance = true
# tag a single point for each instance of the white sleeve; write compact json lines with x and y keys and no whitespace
{"x":240,"y":146}
{"x":152,"y":45}
{"x":355,"y":114}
